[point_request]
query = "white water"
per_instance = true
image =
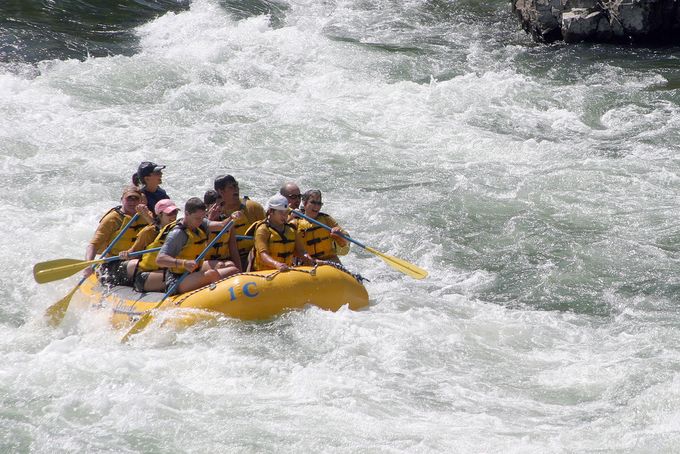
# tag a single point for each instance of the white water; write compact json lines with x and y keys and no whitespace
{"x":537,"y":185}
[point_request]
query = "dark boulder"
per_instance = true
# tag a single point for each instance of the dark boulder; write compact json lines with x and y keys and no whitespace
{"x":630,"y":21}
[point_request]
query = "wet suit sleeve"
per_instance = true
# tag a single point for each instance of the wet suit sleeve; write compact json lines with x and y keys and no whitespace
{"x":262,"y":239}
{"x":145,"y":238}
{"x":105,"y":231}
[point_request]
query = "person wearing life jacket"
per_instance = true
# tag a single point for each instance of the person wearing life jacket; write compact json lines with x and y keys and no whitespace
{"x":213,"y":203}
{"x":319,"y":243}
{"x":228,"y":189}
{"x":185,"y":242}
{"x":225,"y":250}
{"x":144,"y":273}
{"x":150,"y":177}
{"x":292,"y":193}
{"x":115,"y":273}
{"x":210,"y":198}
{"x":276,"y":241}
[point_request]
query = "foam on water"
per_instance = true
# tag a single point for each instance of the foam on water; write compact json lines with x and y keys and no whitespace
{"x":536,"y":187}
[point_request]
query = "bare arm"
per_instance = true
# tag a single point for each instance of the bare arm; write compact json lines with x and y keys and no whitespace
{"x":216,"y":226}
{"x":214,"y":211}
{"x":173,"y":245}
{"x":168,"y":261}
{"x":271,"y":263}
{"x":335,"y":231}
{"x":233,"y":251}
{"x":145,"y":213}
{"x":90,"y":252}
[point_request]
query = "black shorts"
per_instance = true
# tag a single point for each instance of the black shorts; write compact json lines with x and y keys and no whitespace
{"x":114,"y":273}
{"x":141,"y":277}
{"x":170,"y":280}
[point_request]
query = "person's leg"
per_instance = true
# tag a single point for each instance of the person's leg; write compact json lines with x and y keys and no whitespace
{"x":115,"y":273}
{"x":198,"y":279}
{"x":170,"y":281}
{"x":139,"y":281}
{"x":132,"y":269}
{"x":227,"y":271}
{"x":155,"y":282}
{"x":215,"y":264}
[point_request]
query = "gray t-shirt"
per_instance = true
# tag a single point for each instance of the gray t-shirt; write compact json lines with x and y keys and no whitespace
{"x":176,"y":240}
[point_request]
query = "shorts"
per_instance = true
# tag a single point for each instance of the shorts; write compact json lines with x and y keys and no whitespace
{"x":141,"y":277}
{"x":170,"y":280}
{"x":114,"y":273}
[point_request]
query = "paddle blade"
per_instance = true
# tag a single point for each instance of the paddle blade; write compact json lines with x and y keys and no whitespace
{"x":55,"y":313}
{"x":137,"y":327}
{"x":400,"y":265}
{"x":53,"y":264}
{"x":63,"y":269}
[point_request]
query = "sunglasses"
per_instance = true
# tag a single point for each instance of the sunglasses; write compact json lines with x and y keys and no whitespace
{"x":294,"y":196}
{"x":132,"y":198}
{"x":315,"y":202}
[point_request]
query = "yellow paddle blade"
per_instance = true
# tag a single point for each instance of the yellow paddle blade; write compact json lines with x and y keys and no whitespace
{"x":53,"y":264}
{"x":61,"y":269}
{"x":55,"y":313}
{"x":137,"y":327}
{"x":400,"y":265}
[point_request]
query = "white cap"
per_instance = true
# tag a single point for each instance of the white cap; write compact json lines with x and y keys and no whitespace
{"x":278,"y":202}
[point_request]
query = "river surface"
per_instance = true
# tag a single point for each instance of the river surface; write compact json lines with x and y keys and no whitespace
{"x":537,"y":184}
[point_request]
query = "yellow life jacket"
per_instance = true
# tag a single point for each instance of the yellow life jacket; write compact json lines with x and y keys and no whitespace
{"x":219,"y":250}
{"x":280,"y":248}
{"x":128,"y":239}
{"x":148,"y":261}
{"x":196,"y":243}
{"x":317,"y":240}
{"x":241,"y":225}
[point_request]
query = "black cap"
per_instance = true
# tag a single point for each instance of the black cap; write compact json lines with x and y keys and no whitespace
{"x":146,"y":168}
{"x":223,"y":181}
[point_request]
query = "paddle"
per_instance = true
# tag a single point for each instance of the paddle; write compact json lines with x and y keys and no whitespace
{"x":398,"y":264}
{"x":55,"y":313}
{"x":54,"y":270}
{"x":146,"y":318}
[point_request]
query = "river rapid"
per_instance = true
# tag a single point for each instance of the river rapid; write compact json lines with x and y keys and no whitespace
{"x":537,"y":184}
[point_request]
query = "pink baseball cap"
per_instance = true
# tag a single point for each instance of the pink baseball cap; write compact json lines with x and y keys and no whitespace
{"x":166,"y":206}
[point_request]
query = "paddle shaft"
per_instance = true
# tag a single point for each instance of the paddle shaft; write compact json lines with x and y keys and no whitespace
{"x":398,"y":264}
{"x":197,"y":259}
{"x":63,"y":268}
{"x":132,"y":254}
{"x":57,"y":311}
{"x":144,"y":319}
{"x":118,"y":237}
{"x":320,"y":224}
{"x":62,"y":264}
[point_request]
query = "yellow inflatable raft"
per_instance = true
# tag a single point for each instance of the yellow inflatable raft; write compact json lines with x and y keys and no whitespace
{"x":247,"y":296}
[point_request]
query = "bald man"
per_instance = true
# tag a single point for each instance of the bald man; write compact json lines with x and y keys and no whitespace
{"x":291,"y":191}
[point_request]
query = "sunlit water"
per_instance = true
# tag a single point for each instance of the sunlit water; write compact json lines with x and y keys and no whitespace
{"x":537,"y":184}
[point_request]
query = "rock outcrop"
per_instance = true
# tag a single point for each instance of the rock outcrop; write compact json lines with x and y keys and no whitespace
{"x":630,"y":21}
